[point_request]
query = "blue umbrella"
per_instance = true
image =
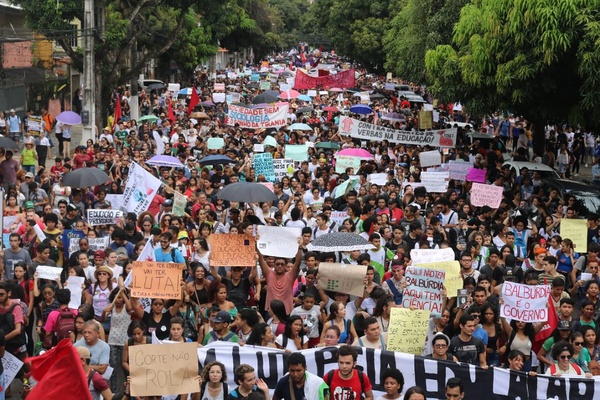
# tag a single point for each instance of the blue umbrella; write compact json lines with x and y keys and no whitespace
{"x":361,"y":109}
{"x":185,"y":91}
{"x":215,"y":160}
{"x":299,"y":127}
{"x":304,"y":97}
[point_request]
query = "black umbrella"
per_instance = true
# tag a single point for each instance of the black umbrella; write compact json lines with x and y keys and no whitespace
{"x":7,"y":143}
{"x":264,"y":98}
{"x":339,"y":241}
{"x":247,"y":192}
{"x":215,"y":160}
{"x":85,"y":177}
{"x":376,"y":96}
{"x":304,"y":110}
{"x":156,"y":86}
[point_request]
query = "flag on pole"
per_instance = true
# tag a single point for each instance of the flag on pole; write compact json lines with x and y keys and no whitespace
{"x":171,"y":115}
{"x":193,"y":101}
{"x":548,"y":328}
{"x":140,"y":189}
{"x":117,"y":117}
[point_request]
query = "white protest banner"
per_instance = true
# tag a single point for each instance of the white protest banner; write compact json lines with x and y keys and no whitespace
{"x":103,"y":217}
{"x":47,"y":272}
{"x":486,"y":195}
{"x":273,"y":116}
{"x":116,"y":200}
{"x":163,"y":370}
{"x":284,"y":86}
{"x":343,"y":162}
{"x":39,"y":232}
{"x":525,"y":303}
{"x":99,"y":243}
{"x":263,"y":165}
{"x":366,"y":131}
{"x":343,"y":278}
{"x":12,"y":365}
{"x":278,"y":241}
{"x":297,"y":152}
{"x":458,"y":170}
{"x":140,"y":189}
{"x":422,"y":256}
{"x":174,"y":87}
{"x":338,"y":217}
{"x":282,"y":167}
{"x":379,"y":179}
{"x":435,"y":182}
{"x":218,"y":97}
{"x":179,"y":203}
{"x":423,"y":290}
{"x":258,"y":148}
{"x":74,"y":284}
{"x":311,"y":93}
{"x":430,"y":158}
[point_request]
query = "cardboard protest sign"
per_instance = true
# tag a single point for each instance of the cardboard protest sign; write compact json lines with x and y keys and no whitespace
{"x":47,"y":272}
{"x":343,"y":162}
{"x":282,"y":167}
{"x":486,"y":195}
{"x":98,"y":243}
{"x":265,"y":85}
{"x":476,"y":175}
{"x":39,"y":232}
{"x":407,"y":330}
{"x":453,"y":280}
{"x":163,"y":369}
{"x":435,"y":182}
{"x":74,"y":284}
{"x":232,"y":250}
{"x":263,"y":165}
{"x":297,"y":152}
{"x":576,"y":230}
{"x":423,"y":289}
{"x":343,"y":278}
{"x":12,"y":365}
{"x":524,"y":302}
{"x":338,"y":217}
{"x":273,"y":116}
{"x":278,"y":241}
{"x":103,"y":217}
{"x":426,"y":119}
{"x":421,"y":256}
{"x":458,"y":170}
{"x":156,"y":280}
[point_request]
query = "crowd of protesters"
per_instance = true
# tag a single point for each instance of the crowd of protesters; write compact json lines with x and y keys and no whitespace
{"x":277,"y":304}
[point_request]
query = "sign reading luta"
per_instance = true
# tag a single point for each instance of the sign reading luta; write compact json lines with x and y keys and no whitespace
{"x":273,"y":116}
{"x":366,"y":131}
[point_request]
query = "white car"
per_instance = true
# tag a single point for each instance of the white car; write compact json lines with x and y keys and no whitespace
{"x":545,"y":171}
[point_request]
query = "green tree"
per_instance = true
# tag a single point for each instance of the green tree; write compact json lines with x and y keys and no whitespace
{"x":538,"y":58}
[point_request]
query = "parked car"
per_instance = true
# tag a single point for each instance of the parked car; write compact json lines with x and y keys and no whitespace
{"x":587,"y":197}
{"x":545,"y":171}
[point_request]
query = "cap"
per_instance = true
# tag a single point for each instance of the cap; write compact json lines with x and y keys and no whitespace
{"x":29,"y":205}
{"x":440,"y":335}
{"x":99,"y":253}
{"x":168,"y":203}
{"x":12,"y":110}
{"x":29,"y":175}
{"x":183,"y":235}
{"x":103,"y":268}
{"x":539,"y":250}
{"x":84,"y":352}
{"x":222,"y":317}
{"x":564,"y":325}
{"x":71,"y":207}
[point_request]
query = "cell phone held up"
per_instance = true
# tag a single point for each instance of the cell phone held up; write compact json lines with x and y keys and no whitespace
{"x":462,"y":297}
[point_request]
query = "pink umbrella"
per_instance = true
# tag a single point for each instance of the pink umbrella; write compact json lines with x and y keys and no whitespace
{"x":331,"y":109}
{"x":289,"y":94}
{"x":361,"y":153}
{"x":336,"y":89}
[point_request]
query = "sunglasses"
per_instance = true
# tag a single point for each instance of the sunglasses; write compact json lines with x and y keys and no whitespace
{"x":577,"y":343}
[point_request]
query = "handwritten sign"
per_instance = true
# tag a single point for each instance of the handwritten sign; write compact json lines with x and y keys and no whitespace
{"x":283,"y":167}
{"x":74,"y":284}
{"x":297,"y":152}
{"x":47,"y":272}
{"x":218,"y":97}
{"x":278,"y":241}
{"x":459,"y":170}
{"x":476,"y":175}
{"x":435,"y":182}
{"x":525,"y":303}
{"x":163,"y":369}
{"x":115,"y":200}
{"x":103,"y":217}
{"x":343,"y":278}
{"x":453,"y":280}
{"x":576,"y":230}
{"x":258,"y":148}
{"x":12,"y":365}
{"x":343,"y":162}
{"x":407,"y":330}
{"x":215,"y":143}
{"x":70,"y":239}
{"x":421,"y":256}
{"x":232,"y":250}
{"x":156,"y":280}
{"x":424,"y":289}
{"x":263,"y":165}
{"x":98,"y":243}
{"x":430,"y":158}
{"x":219,"y":87}
{"x":486,"y":195}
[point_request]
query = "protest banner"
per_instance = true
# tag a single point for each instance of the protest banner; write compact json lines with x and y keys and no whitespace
{"x":156,"y":280}
{"x":282,"y":167}
{"x":258,"y":148}
{"x":163,"y":369}
{"x":429,"y":374}
{"x":12,"y":365}
{"x":453,"y":279}
{"x":343,"y":162}
{"x":115,"y":200}
{"x":426,"y":119}
{"x":103,"y":217}
{"x":338,"y":217}
{"x":278,"y":241}
{"x":179,"y":203}
{"x":524,"y":302}
{"x":379,"y":179}
{"x":265,"y":85}
{"x":423,"y":290}
{"x":99,"y":243}
{"x":215,"y":143}
{"x":341,"y":189}
{"x":430,"y":158}
{"x":218,"y":98}
{"x":407,"y":330}
{"x":263,"y":165}
{"x":273,"y":116}
{"x":476,"y":175}
{"x":343,"y":278}
{"x":70,"y":240}
{"x":219,"y":87}
{"x":140,"y":189}
{"x":34,"y":124}
{"x":577,"y":231}
{"x":75,"y":285}
{"x":435,"y":182}
{"x":47,"y":272}
{"x":343,"y":79}
{"x":486,"y":195}
{"x":366,"y":131}
{"x":297,"y":152}
{"x":458,"y":170}
{"x":232,"y":250}
{"x":174,"y":88}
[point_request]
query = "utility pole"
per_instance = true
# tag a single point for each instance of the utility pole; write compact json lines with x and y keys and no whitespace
{"x":134,"y":99}
{"x":89,"y":85}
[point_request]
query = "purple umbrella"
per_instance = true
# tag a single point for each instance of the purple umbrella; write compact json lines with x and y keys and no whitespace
{"x":164,"y":161}
{"x":207,"y":103}
{"x":69,"y":118}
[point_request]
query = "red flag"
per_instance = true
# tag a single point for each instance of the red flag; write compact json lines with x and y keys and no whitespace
{"x":171,"y":116}
{"x":303,"y":58}
{"x":547,"y":330}
{"x":59,"y":374}
{"x":117,"y":113}
{"x":193,"y":101}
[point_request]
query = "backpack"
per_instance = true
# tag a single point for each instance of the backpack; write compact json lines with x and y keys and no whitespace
{"x":225,"y":338}
{"x":361,"y":376}
{"x":575,"y":367}
{"x":65,"y":324}
{"x":7,"y":322}
{"x":597,"y":151}
{"x":189,"y":328}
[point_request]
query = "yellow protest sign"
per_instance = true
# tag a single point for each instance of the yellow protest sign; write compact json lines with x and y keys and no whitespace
{"x":407,"y":331}
{"x":576,"y":230}
{"x":163,"y":369}
{"x":156,"y":280}
{"x":453,"y":280}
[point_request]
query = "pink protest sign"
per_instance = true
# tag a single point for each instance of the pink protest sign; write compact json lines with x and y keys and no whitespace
{"x":476,"y":175}
{"x":486,"y":195}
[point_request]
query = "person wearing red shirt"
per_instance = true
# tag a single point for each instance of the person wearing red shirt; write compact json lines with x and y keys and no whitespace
{"x":81,"y":158}
{"x":345,"y":382}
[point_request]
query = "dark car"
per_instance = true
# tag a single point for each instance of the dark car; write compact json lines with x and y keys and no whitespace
{"x":587,"y":196}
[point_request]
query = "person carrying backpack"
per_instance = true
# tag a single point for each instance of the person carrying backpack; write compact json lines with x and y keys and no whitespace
{"x":347,"y":378}
{"x":11,"y":321}
{"x":61,"y":322}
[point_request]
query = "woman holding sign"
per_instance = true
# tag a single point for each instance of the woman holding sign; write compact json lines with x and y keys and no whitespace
{"x":156,"y":320}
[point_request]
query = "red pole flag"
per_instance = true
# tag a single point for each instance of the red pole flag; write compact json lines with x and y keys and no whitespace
{"x":548,"y":328}
{"x":59,"y":374}
{"x":171,"y":115}
{"x":117,"y":113}
{"x":193,"y":101}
